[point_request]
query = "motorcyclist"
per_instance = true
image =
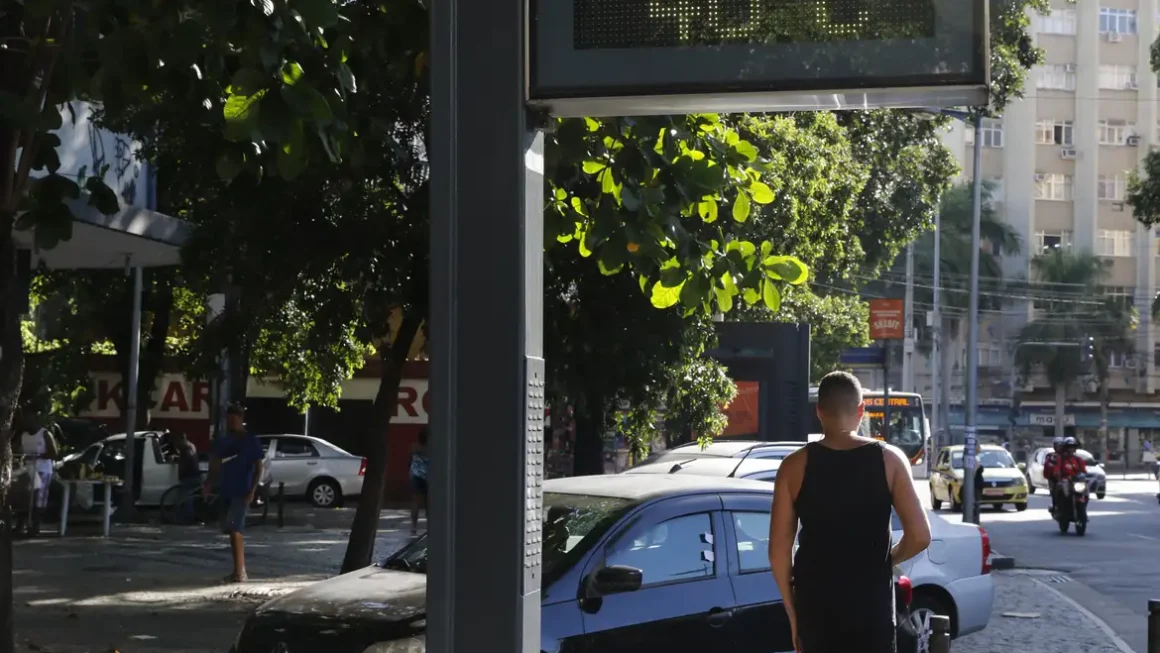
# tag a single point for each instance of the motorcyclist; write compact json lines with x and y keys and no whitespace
{"x":1067,"y":464}
{"x":1049,"y":462}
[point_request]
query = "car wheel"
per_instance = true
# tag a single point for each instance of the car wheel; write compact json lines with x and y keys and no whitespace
{"x":922,"y":608}
{"x":1020,"y":507}
{"x":1031,"y":488}
{"x":324,"y":493}
{"x":935,"y":502}
{"x":956,"y":504}
{"x":1100,"y":495}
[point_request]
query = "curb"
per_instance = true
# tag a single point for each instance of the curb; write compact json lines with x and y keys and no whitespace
{"x":1001,"y":562}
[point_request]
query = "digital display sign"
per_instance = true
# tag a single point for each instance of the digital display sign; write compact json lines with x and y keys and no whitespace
{"x":636,"y":57}
{"x":902,"y":401}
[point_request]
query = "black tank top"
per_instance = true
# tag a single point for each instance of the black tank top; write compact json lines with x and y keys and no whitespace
{"x":842,"y":566}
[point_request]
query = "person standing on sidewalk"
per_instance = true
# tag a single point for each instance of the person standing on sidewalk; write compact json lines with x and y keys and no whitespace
{"x":40,"y":451}
{"x":838,"y":591}
{"x":418,"y":472}
{"x":237,"y":460}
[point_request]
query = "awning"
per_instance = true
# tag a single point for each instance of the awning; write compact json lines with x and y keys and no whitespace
{"x":133,"y":236}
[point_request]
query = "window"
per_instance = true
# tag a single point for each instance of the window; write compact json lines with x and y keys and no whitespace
{"x":1114,"y":243}
{"x":676,"y":550}
{"x":990,"y":356}
{"x":1053,"y":240}
{"x":1116,"y":132}
{"x":1059,"y":21}
{"x":1119,"y":359}
{"x":295,"y":448}
{"x":752,"y":530}
{"x":1059,"y":77}
{"x":1117,"y":21}
{"x":764,"y":477}
{"x":1117,"y":78}
{"x":992,"y":133}
{"x":1053,"y":132}
{"x":1111,"y":188}
{"x":1053,"y":187}
{"x":1124,"y":297}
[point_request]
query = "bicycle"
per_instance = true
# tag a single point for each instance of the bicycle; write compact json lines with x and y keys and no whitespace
{"x":181,"y":501}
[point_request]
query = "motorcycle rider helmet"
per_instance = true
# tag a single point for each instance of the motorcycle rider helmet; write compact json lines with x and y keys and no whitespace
{"x":1070,"y":444}
{"x":1057,"y":444}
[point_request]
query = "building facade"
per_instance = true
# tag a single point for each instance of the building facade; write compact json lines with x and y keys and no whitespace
{"x":1059,"y":160}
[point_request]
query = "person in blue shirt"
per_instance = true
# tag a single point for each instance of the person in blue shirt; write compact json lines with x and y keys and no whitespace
{"x":236,"y":460}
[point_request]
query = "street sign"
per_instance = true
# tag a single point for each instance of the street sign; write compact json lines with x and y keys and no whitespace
{"x":887,"y":319}
{"x":1038,"y":419}
{"x":658,"y":57}
{"x":862,"y":357}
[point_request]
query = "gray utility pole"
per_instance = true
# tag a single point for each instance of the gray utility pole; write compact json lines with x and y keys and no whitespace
{"x":970,"y":437}
{"x":936,"y":346}
{"x":127,"y":511}
{"x":487,"y":258}
{"x":908,"y":327}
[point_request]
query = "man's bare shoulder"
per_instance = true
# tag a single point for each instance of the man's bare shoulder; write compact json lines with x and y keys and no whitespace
{"x":793,"y":463}
{"x":895,"y":459}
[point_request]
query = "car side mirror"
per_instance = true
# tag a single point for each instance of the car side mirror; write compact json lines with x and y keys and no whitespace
{"x":617,"y":579}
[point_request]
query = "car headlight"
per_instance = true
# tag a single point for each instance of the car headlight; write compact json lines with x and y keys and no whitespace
{"x":1079,"y":486}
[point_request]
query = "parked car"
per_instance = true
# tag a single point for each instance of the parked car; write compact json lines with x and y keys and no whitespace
{"x":1037,"y":481}
{"x":155,"y":473}
{"x":313,"y":468}
{"x":627,"y":567}
{"x":1003,"y":482}
{"x":756,"y":469}
{"x":748,"y":449}
{"x":952,"y":577}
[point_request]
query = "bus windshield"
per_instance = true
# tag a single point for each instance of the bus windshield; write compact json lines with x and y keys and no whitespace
{"x":907,"y":423}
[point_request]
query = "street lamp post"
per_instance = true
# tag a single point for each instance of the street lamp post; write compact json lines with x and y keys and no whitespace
{"x":970,"y":437}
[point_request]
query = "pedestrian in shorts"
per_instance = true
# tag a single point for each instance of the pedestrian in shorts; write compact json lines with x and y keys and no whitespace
{"x":237,"y":461}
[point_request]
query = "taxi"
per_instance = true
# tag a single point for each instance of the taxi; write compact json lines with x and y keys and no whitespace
{"x":1003,"y":482}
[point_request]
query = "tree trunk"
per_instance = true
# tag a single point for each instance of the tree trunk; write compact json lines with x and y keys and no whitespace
{"x":11,"y":376}
{"x":361,"y":545}
{"x":152,"y":362}
{"x":1060,"y":400}
{"x":588,"y":454}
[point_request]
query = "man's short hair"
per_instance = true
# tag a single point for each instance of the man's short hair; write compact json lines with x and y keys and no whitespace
{"x":839,"y":393}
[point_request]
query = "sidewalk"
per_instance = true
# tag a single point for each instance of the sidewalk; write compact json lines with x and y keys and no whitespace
{"x":152,"y":589}
{"x":1029,"y":617}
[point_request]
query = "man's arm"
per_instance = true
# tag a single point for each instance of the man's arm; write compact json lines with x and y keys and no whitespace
{"x":915,"y":527}
{"x":258,"y":464}
{"x":783,"y":526}
{"x":215,"y":468}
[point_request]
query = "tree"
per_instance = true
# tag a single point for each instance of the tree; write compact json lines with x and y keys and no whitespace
{"x":1071,"y":307}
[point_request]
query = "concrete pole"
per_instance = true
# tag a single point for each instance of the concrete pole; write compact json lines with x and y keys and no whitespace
{"x":908,"y":337}
{"x":128,"y":508}
{"x":936,"y":345}
{"x":972,"y":382}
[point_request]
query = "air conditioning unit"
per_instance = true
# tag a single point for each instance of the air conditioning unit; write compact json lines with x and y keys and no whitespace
{"x":1115,"y":37}
{"x":1039,"y":176}
{"x":1132,"y":141}
{"x":1068,"y":153}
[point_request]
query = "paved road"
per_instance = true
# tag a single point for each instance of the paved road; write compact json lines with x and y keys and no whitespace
{"x":1117,"y":564}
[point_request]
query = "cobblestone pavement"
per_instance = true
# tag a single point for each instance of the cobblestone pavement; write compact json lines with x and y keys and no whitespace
{"x":1041,"y":622}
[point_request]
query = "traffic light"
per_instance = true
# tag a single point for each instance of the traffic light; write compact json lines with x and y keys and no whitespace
{"x":1087,"y":349}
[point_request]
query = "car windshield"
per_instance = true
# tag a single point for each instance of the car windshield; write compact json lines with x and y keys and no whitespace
{"x":572,"y":522}
{"x":989,"y":459}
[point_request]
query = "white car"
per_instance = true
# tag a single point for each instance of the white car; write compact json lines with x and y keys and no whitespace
{"x":723,"y":449}
{"x":755,"y":469}
{"x":952,"y":577}
{"x":1035,"y":471}
{"x":313,"y":468}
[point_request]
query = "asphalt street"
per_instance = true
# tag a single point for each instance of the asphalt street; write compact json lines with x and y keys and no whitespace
{"x":1112,"y":571}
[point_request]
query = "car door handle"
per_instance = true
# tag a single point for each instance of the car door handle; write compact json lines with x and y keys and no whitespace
{"x":311,"y":463}
{"x":719,"y":617}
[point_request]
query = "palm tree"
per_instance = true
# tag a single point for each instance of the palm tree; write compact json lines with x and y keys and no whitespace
{"x":1071,"y":307}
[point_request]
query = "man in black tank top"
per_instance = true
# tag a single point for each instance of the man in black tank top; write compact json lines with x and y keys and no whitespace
{"x":838,"y":591}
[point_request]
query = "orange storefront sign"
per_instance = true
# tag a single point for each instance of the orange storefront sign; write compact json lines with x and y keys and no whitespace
{"x":886,"y":319}
{"x":743,"y":410}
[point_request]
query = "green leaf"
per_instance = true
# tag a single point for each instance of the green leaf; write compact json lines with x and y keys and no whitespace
{"x":707,"y":209}
{"x":227,"y":167}
{"x":664,"y":297}
{"x":762,"y":193}
{"x":592,"y":167}
{"x":607,"y":182}
{"x":770,"y":295}
{"x":346,"y":77}
{"x":592,"y":124}
{"x":101,"y":197}
{"x":307,"y":101}
{"x":744,"y":247}
{"x":745,"y":149}
{"x":291,"y":73}
{"x":724,"y":299}
{"x":751,"y":296}
{"x":317,"y":13}
{"x":241,"y":114}
{"x":249,"y":81}
{"x":292,"y":156}
{"x":741,"y":207}
{"x":606,"y":271}
{"x":786,"y":268}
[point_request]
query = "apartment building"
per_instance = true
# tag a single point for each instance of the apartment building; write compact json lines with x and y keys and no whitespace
{"x":1060,"y":160}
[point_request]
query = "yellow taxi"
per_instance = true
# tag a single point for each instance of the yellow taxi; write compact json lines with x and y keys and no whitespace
{"x":1003,"y":482}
